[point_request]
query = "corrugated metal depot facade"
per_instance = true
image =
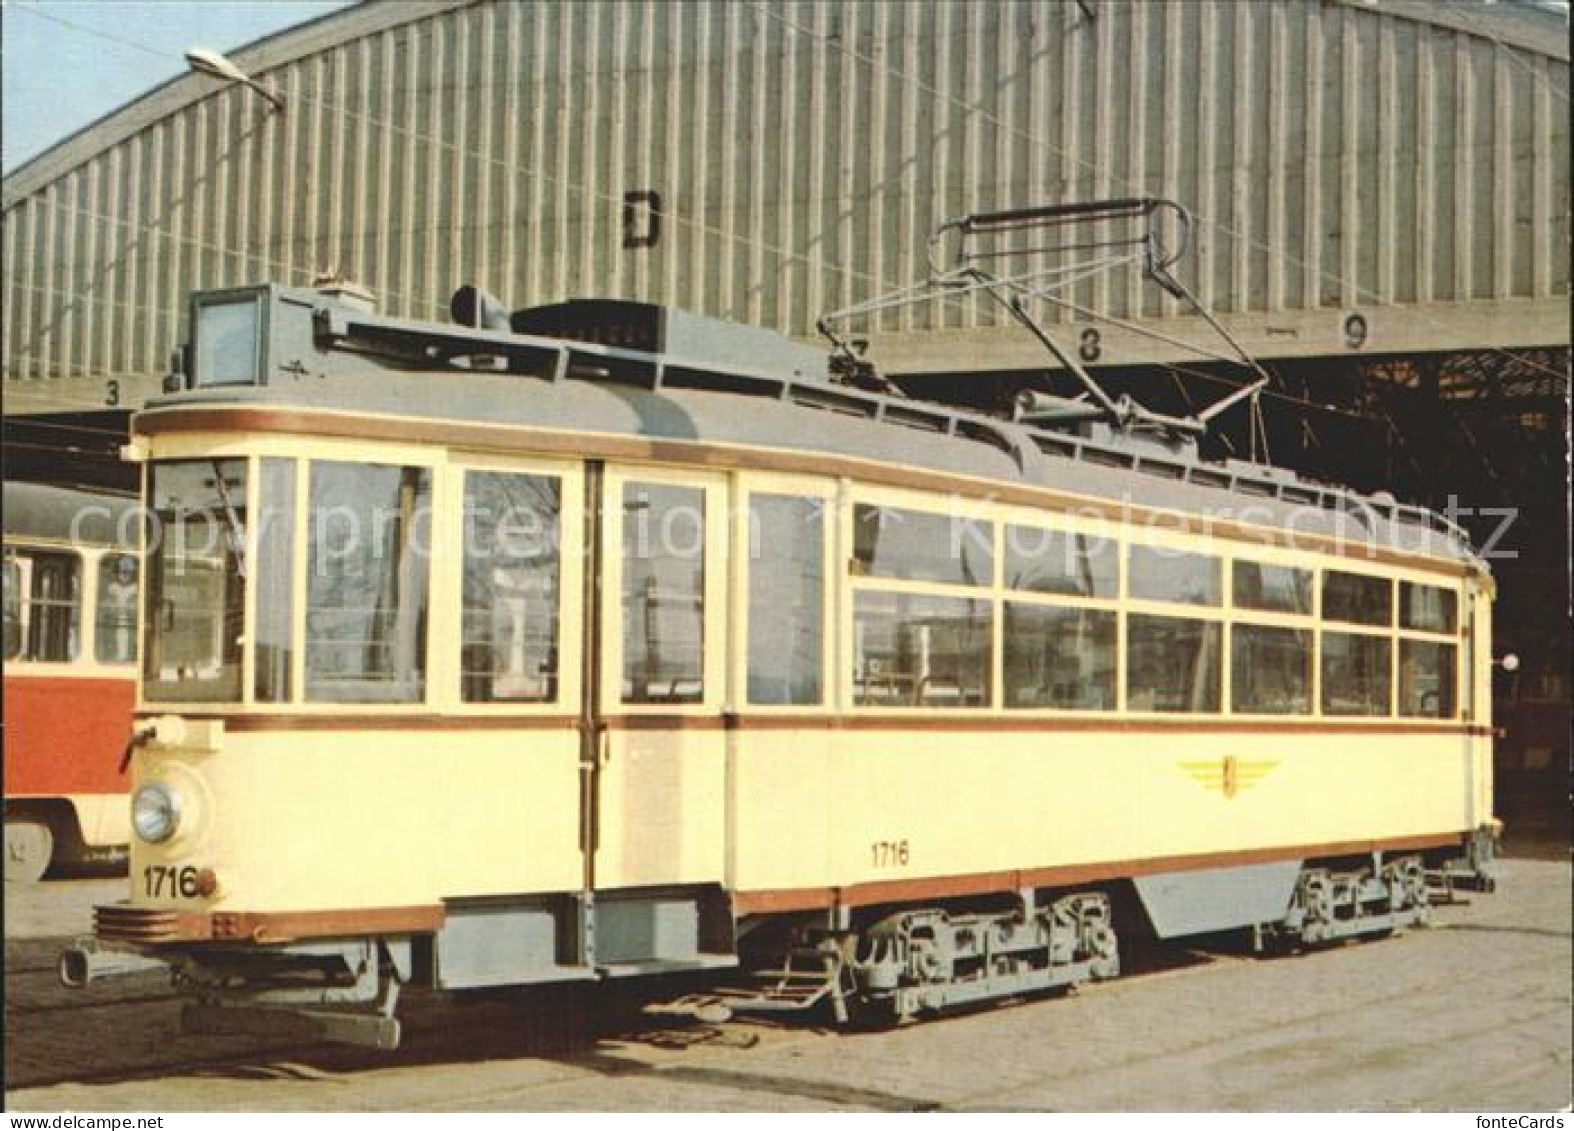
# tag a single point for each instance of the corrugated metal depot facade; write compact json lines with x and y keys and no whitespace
{"x":1405,"y":160}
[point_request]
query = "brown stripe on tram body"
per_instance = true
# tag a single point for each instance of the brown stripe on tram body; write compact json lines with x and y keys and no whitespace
{"x":522,"y":438}
{"x":986,"y":883}
{"x":147,"y":925}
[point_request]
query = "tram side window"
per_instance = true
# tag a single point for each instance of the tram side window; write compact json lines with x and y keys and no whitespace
{"x":512,"y":594}
{"x":1426,"y":679}
{"x":1427,"y":608}
{"x":1157,"y":573}
{"x":367,"y":583}
{"x":196,"y":581}
{"x":663,"y":593}
{"x":786,"y":599}
{"x":912,"y":650}
{"x":908,"y":545}
{"x":1172,"y":664}
{"x":43,"y":605}
{"x":1270,"y":588}
{"x":1059,"y":657}
{"x":1053,"y":561}
{"x":115,"y":625}
{"x":1356,"y":678}
{"x":1270,"y":670}
{"x":1356,"y":599}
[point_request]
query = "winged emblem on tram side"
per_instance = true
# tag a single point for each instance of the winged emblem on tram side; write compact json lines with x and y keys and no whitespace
{"x":1229,"y":775}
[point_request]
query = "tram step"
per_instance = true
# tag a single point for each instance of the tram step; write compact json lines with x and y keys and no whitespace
{"x":666,"y":966}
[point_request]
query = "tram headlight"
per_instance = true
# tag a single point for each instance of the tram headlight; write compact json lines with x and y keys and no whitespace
{"x":155,"y":813}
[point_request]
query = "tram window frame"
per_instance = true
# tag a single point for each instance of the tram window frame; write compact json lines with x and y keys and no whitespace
{"x":1098,"y":691}
{"x":1415,"y":608}
{"x":913,"y":560}
{"x":1211,"y":642}
{"x":1169,"y":575}
{"x":209,"y":334}
{"x":1079,"y":564}
{"x":23,"y":628}
{"x":408,"y":675}
{"x":1243,"y":674}
{"x":911,"y":690}
{"x":1271,"y":582}
{"x":480,"y":598}
{"x":1357,"y":701}
{"x":1343,"y":602}
{"x":803,"y":683}
{"x":107,"y":571}
{"x":692,"y":685}
{"x":1411,"y":697}
{"x":226,"y":515}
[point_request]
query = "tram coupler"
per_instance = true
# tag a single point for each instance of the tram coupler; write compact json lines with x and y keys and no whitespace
{"x":83,"y":963}
{"x":1475,"y":871}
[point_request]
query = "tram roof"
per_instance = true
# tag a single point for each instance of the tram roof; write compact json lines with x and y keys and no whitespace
{"x":821,"y":422}
{"x":65,"y":514}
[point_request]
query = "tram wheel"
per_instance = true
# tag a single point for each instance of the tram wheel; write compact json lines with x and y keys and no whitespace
{"x":29,"y":845}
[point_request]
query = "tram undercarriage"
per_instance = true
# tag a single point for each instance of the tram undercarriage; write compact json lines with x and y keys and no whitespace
{"x":879,"y":966}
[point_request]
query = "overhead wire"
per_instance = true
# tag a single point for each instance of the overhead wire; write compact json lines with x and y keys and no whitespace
{"x":1282,"y":256}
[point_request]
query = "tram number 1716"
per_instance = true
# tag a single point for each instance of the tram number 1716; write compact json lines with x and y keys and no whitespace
{"x":157,"y":879}
{"x":889,"y":853}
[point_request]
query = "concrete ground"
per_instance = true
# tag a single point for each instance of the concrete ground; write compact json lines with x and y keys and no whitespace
{"x":1473,"y":1014}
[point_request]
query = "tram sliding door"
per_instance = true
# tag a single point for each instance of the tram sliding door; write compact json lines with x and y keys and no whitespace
{"x":658,"y":787}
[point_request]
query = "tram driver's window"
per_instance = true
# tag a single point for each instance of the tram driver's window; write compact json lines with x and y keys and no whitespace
{"x":43,"y":605}
{"x":663,"y":593}
{"x":368,"y":544}
{"x":196,"y":580}
{"x":509,"y":645}
{"x":115,"y":625}
{"x":786,"y":600}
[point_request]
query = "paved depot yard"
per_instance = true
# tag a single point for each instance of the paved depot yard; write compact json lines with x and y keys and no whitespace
{"x":1472,"y":1014}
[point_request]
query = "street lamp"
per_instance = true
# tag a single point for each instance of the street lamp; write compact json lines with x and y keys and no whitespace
{"x":212,"y":63}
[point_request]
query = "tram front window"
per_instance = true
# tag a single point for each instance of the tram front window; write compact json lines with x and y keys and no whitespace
{"x":196,"y":592}
{"x":369,"y":538}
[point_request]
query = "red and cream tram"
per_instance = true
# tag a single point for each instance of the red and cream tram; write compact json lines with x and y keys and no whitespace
{"x":71,"y":582}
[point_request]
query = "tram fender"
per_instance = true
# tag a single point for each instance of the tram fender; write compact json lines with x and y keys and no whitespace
{"x":1217,"y":899}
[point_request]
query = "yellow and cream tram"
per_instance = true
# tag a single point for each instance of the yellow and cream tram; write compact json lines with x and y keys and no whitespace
{"x":607,"y":640}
